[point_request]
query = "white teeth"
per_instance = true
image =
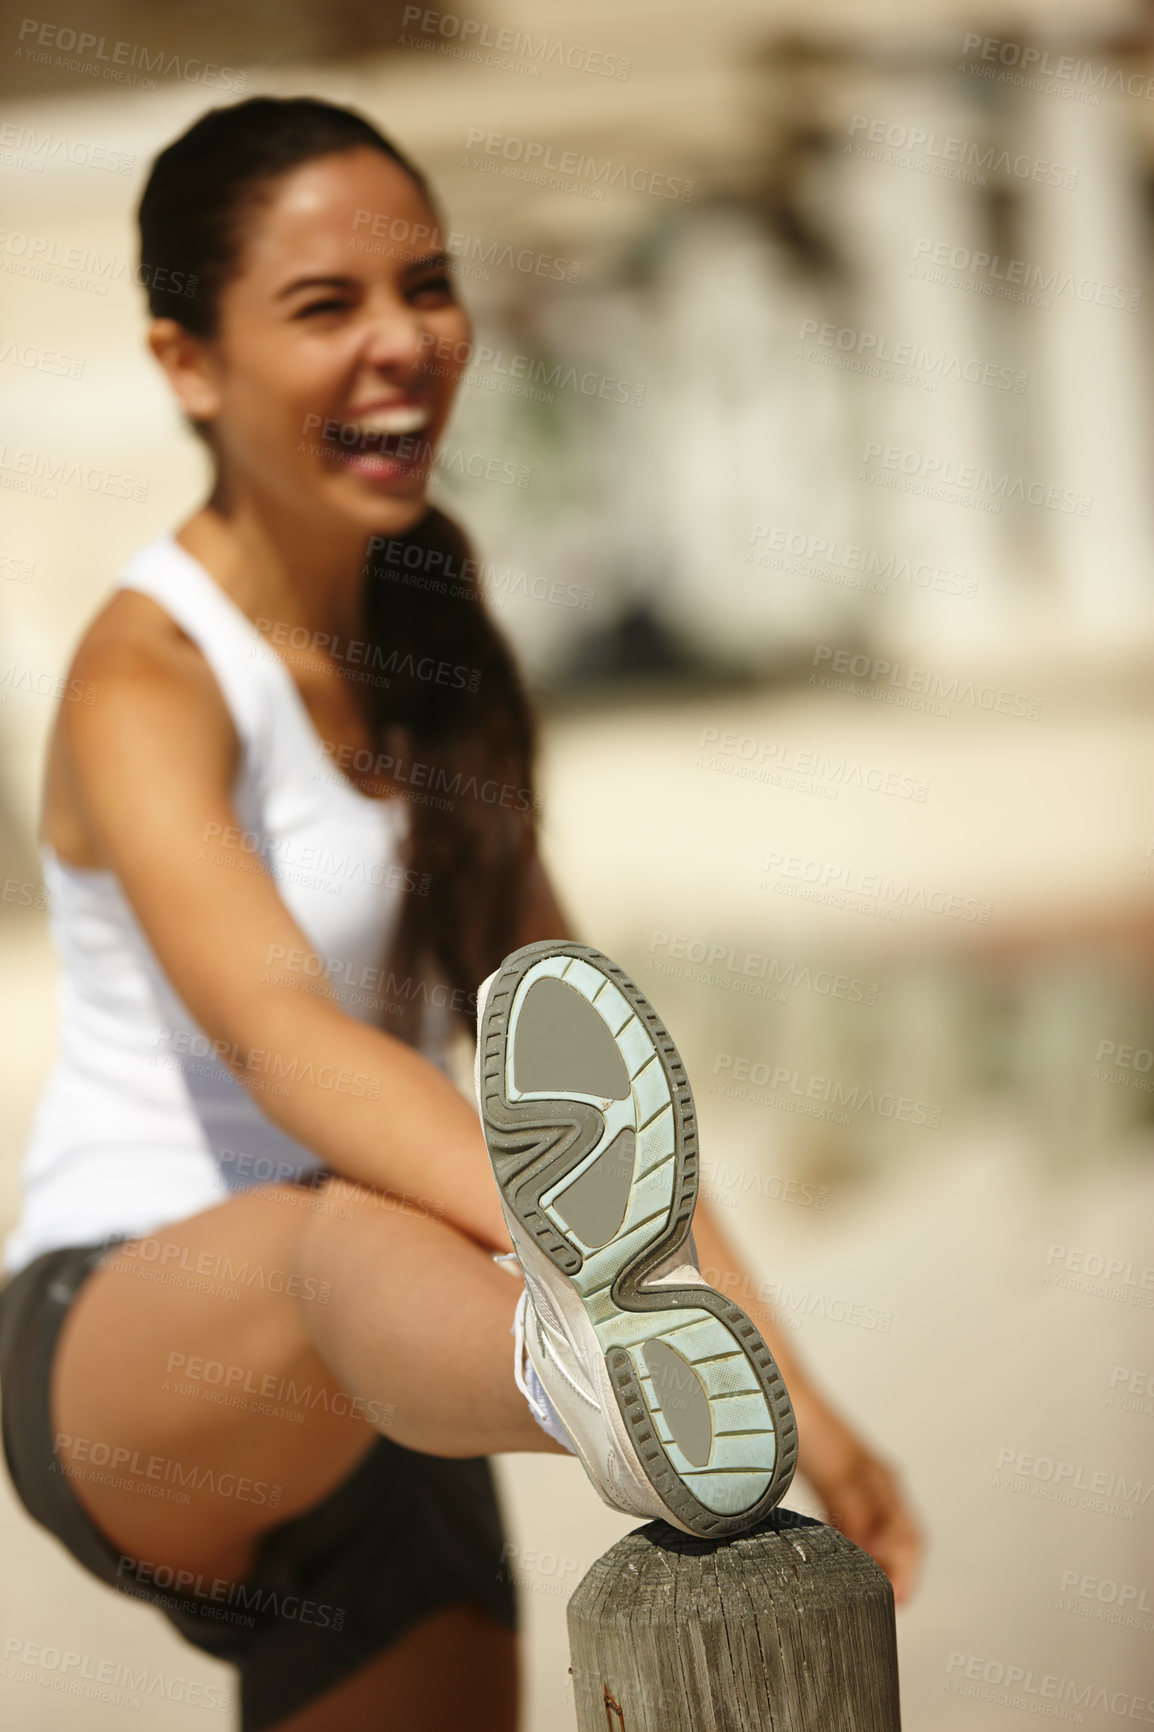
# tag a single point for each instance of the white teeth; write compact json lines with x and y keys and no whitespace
{"x":400,"y":420}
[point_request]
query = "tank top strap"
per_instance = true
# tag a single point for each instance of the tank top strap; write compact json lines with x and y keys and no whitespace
{"x":227,"y":638}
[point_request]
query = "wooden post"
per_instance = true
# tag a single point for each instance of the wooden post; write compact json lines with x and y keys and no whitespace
{"x":786,"y":1628}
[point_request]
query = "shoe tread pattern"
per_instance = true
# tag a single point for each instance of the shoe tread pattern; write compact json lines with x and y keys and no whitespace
{"x":534,"y":1144}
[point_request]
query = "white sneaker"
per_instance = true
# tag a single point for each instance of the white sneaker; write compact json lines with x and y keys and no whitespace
{"x":671,"y":1398}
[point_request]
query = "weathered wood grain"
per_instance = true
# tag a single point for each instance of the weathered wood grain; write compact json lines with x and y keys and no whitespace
{"x":786,"y":1628}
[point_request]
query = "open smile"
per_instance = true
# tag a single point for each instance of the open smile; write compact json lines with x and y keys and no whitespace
{"x":384,"y":443}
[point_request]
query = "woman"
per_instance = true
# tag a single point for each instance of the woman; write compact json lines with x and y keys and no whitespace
{"x":255,"y":1347}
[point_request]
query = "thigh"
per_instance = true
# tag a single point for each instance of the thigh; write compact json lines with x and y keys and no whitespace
{"x":454,"y":1669}
{"x":190,"y":1409}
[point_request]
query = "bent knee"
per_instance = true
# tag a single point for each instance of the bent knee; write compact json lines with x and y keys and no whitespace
{"x":347,"y":1225}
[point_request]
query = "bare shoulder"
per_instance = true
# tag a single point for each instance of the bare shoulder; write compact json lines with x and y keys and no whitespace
{"x":139,"y":700}
{"x":133,"y":638}
{"x":134,"y":657}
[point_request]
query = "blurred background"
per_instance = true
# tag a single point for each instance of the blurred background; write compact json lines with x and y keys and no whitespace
{"x":814,"y":352}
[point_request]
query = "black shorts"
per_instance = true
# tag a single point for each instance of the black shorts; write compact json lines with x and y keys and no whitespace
{"x":402,"y":1536}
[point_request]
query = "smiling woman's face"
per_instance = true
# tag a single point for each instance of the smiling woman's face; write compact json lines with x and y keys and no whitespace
{"x":336,"y":357}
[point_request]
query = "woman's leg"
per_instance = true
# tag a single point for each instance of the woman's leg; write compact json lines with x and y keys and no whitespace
{"x":418,"y":1320}
{"x":291,"y":1304}
{"x":455,"y":1671}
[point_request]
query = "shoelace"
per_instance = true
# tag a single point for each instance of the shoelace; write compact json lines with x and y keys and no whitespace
{"x":521,"y":1359}
{"x":531,"y":1386}
{"x":510,"y":1261}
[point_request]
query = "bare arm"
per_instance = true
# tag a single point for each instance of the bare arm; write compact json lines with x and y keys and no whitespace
{"x":154,"y":759}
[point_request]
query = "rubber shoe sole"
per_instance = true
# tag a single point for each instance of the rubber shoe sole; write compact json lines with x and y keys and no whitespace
{"x":592,"y":1134}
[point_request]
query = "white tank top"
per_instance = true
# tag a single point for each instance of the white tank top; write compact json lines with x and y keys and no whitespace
{"x":139,"y":1123}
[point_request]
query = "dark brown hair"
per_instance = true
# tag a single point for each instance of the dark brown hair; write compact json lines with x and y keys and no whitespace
{"x":467,"y":741}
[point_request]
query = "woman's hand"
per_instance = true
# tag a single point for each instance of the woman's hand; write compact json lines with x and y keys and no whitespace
{"x":861,"y":1495}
